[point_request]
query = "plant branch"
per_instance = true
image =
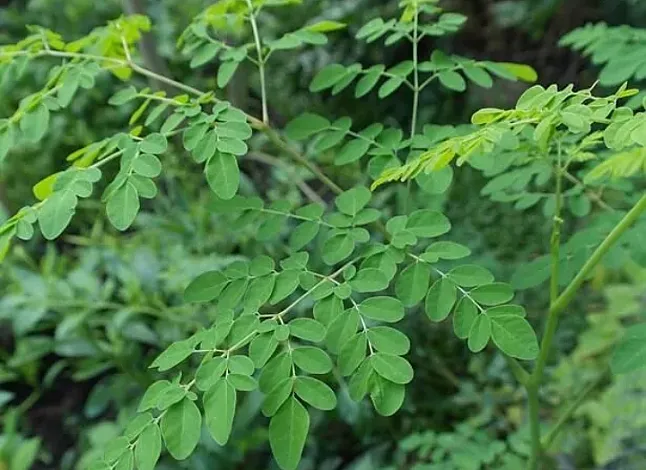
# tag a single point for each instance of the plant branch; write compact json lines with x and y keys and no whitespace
{"x":258,"y":124}
{"x":591,"y":194}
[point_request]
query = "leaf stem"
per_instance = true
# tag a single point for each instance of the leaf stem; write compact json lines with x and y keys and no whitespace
{"x":261,"y":62}
{"x":413,"y":125}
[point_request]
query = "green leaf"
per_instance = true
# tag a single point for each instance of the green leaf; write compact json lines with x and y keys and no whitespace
{"x":262,"y":347}
{"x":470,"y":275}
{"x":242,"y":382}
{"x":412,"y":283}
{"x":521,"y":71}
{"x":425,"y":223}
{"x":306,"y":125}
{"x":452,"y":80}
{"x":393,"y":368}
{"x":205,"y":53}
{"x":219,"y":410}
{"x":352,"y":201}
{"x":312,"y":360}
{"x":137,"y":425}
{"x":123,"y":206}
{"x":226,"y":71}
{"x":479,"y":333}
{"x":630,"y":354}
{"x":385,"y":309}
{"x":359,"y":384}
{"x":123,"y":96}
{"x":223,"y":175}
{"x":352,"y":151}
{"x":152,"y":394}
{"x":148,"y":448}
{"x":478,"y":75}
{"x":327,"y":77}
{"x":337,"y":248}
{"x":126,"y":461}
{"x":286,"y":283}
{"x":325,"y":26}
{"x":279,"y":394}
{"x":352,"y":354}
{"x":34,"y":123}
{"x":303,"y":234}
{"x":259,"y":292}
{"x":369,"y":280}
{"x":25,"y":454}
{"x":232,"y":146}
{"x":368,"y":81}
{"x":154,"y":143}
{"x":288,"y":432}
{"x":307,"y":329}
{"x":181,"y":427}
{"x":147,"y":165}
{"x":173,"y":355}
{"x":440,"y":299}
{"x":492,"y":294}
{"x":387,"y":397}
{"x":210,"y":372}
{"x":56,"y":213}
{"x":389,"y":340}
{"x":115,"y":448}
{"x":315,"y":393}
{"x":7,"y":138}
{"x":506,"y":310}
{"x":205,"y":287}
{"x":445,"y":250}
{"x":514,"y":336}
{"x":390,"y":86}
{"x":463,"y":317}
{"x":172,"y":122}
{"x":341,"y":329}
{"x":276,"y":370}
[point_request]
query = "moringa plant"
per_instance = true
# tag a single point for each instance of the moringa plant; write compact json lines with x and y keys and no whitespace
{"x":354,"y":266}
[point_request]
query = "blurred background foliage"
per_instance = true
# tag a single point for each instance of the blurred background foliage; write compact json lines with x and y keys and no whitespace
{"x":81,"y":318}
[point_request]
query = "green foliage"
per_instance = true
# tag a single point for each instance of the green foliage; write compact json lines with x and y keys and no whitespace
{"x":310,"y":319}
{"x":618,"y":49}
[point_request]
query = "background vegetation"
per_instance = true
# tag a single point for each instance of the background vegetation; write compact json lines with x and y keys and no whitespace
{"x":81,"y":318}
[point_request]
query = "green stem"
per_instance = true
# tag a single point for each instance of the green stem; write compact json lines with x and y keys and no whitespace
{"x":555,"y":240}
{"x":567,"y":414}
{"x":534,"y":427}
{"x":558,"y":306}
{"x":413,"y":125}
{"x":261,"y":62}
{"x":533,"y":384}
